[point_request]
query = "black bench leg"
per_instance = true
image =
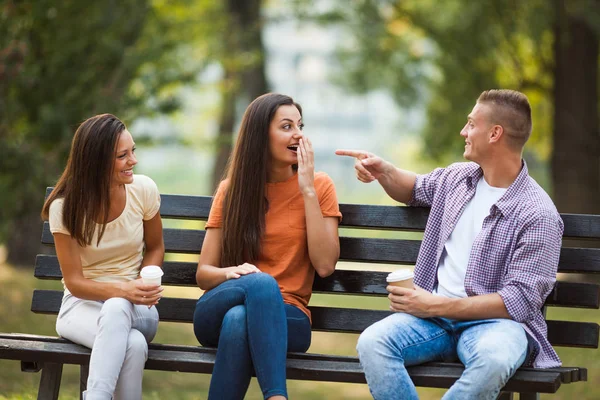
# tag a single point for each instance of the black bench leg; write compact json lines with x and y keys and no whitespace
{"x":505,"y":396}
{"x":84,"y":370}
{"x":529,"y":396}
{"x":50,"y":381}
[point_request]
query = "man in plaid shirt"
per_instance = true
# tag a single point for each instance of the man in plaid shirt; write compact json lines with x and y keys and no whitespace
{"x":487,"y":263}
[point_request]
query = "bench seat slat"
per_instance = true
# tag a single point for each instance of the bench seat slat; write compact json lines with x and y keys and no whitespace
{"x":392,"y":251}
{"x":566,"y":294}
{"x":299,"y":366}
{"x":568,"y":374}
{"x":332,"y":319}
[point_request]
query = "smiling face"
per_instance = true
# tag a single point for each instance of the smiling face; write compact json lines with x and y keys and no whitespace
{"x":285,"y":131}
{"x":124,"y":159}
{"x":477,"y":132}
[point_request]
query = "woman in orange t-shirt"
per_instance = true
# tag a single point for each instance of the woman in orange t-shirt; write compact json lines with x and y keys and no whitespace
{"x":273,"y":223}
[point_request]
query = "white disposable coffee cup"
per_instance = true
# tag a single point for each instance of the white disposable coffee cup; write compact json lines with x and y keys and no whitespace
{"x":151,"y":275}
{"x":402,"y":277}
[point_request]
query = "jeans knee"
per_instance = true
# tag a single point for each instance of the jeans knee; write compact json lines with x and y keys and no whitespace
{"x":263,"y":286}
{"x":370,"y":344}
{"x":501,"y":351}
{"x":136,"y":345}
{"x":366,"y":341}
{"x":263,"y":280}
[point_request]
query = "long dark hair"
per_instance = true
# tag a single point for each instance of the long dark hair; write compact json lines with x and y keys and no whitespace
{"x":85,"y":182}
{"x":245,"y":204}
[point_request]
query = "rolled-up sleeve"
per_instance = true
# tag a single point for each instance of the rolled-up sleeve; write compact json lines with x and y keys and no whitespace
{"x":424,"y":189}
{"x":532,"y":270}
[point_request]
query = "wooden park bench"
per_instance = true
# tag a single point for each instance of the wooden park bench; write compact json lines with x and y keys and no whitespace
{"x":48,"y":354}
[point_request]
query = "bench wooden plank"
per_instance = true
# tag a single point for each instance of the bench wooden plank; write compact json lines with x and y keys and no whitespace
{"x":391,"y":251}
{"x":396,"y":251}
{"x":299,"y":366}
{"x":579,"y":260}
{"x":566,"y":294}
{"x":332,"y":319}
{"x":568,"y":374}
{"x":582,"y":226}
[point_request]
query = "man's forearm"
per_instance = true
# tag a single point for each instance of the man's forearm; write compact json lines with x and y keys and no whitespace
{"x":398,"y":183}
{"x":471,"y":308}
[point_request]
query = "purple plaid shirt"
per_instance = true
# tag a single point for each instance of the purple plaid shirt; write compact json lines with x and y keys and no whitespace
{"x":515,"y":254}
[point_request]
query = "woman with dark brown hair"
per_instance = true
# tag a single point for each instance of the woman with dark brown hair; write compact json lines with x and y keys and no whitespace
{"x":106,"y":226}
{"x":273,"y":223}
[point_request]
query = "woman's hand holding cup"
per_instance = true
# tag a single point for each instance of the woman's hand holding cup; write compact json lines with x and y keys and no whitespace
{"x":140,"y":293}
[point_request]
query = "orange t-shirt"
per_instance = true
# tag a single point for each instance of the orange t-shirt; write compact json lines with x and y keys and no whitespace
{"x":284,"y":246}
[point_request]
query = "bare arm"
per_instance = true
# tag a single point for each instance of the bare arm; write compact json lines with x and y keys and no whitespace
{"x":322,"y":232}
{"x":153,"y":238}
{"x":396,"y":182}
{"x":423,"y":304}
{"x":208,"y":273}
{"x":322,"y":236}
{"x":135,"y":291}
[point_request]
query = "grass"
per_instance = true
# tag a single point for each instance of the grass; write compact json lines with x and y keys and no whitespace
{"x":15,"y":316}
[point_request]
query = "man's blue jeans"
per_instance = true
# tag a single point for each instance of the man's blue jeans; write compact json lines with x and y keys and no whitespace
{"x":490,"y":349}
{"x":253,"y":330}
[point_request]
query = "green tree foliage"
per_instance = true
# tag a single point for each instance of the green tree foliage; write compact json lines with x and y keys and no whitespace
{"x":445,"y":53}
{"x":61,"y":62}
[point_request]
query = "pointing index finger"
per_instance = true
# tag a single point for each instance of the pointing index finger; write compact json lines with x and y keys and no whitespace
{"x":352,"y":153}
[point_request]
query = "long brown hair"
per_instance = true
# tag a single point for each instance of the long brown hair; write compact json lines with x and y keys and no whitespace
{"x":85,"y":182}
{"x":245,"y":204}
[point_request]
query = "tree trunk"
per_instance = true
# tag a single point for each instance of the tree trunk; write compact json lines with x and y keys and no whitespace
{"x":576,"y":142}
{"x":244,"y":80}
{"x":229,"y":92}
{"x":254,"y":80}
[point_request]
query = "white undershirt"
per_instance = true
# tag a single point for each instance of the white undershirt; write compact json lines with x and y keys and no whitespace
{"x":455,"y":258}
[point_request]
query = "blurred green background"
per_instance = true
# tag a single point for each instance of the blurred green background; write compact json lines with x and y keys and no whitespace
{"x":395,"y":77}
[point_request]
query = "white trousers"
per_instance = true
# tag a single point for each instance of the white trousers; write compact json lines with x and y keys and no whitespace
{"x":118,"y":333}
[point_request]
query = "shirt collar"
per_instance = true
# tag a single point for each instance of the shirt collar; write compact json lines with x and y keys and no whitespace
{"x":509,"y":199}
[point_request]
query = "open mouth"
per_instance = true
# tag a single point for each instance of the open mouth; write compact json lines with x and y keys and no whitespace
{"x":293,"y":147}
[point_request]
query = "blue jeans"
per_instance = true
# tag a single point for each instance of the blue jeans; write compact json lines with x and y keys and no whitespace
{"x":490,"y":349}
{"x":253,"y":329}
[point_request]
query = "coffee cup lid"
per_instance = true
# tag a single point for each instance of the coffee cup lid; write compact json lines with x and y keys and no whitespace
{"x":151,"y":271}
{"x":400,"y":275}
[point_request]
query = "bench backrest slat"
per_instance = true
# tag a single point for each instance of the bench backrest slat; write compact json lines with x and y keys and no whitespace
{"x":582,"y":226}
{"x":390,"y":251}
{"x":177,"y":273}
{"x":331,"y":319}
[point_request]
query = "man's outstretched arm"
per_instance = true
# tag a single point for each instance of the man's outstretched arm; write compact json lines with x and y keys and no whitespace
{"x":397,"y":183}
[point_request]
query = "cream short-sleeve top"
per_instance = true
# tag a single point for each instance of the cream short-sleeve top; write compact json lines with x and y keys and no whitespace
{"x":119,"y":255}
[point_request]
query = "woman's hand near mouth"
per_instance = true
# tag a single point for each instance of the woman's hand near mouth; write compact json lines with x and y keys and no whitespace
{"x":306,"y":167}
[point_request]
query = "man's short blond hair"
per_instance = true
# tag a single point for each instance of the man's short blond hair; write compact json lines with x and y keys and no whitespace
{"x":511,"y":110}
